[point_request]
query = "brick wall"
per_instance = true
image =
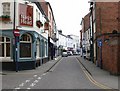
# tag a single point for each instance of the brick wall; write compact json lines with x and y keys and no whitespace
{"x":87,"y":22}
{"x":106,"y":22}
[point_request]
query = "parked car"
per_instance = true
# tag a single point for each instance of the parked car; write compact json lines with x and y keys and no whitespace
{"x":74,"y":53}
{"x":69,"y":53}
{"x":64,"y":54}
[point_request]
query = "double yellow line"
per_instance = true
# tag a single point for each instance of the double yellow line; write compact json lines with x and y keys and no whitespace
{"x":95,"y":82}
{"x":91,"y":78}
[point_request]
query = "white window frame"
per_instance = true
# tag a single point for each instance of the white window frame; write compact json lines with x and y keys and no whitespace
{"x":27,"y":42}
{"x":6,"y":8}
{"x":5,"y":58}
{"x":45,"y":49}
{"x":38,"y":48}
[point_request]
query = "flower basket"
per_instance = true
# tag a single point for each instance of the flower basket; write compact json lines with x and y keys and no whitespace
{"x":46,"y":26}
{"x":39,"y":24}
{"x":5,"y":18}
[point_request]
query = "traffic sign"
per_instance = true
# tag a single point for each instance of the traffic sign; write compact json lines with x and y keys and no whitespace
{"x":16,"y":32}
{"x":99,"y":43}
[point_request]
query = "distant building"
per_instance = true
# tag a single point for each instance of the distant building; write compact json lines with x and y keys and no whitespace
{"x":75,"y":43}
{"x":61,"y":43}
{"x":69,"y":43}
{"x":85,"y":36}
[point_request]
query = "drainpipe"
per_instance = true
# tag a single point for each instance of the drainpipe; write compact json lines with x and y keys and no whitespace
{"x":92,"y":37}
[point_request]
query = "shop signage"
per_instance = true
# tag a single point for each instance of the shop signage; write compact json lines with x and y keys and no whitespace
{"x":25,"y":15}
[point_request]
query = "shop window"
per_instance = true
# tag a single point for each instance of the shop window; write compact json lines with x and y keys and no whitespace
{"x":4,"y":47}
{"x":45,"y":48}
{"x":25,"y":46}
{"x":38,"y":48}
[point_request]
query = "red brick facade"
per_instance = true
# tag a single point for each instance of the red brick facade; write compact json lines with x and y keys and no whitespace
{"x":87,"y":22}
{"x":107,"y":19}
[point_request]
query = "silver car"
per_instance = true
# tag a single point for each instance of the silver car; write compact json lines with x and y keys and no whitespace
{"x":64,"y":54}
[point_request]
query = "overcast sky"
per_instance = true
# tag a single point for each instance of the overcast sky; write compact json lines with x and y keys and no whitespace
{"x":68,"y":14}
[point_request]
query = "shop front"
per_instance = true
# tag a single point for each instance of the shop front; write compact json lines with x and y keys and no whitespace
{"x":31,"y":50}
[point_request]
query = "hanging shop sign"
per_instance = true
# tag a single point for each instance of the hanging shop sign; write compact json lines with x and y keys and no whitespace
{"x":25,"y":15}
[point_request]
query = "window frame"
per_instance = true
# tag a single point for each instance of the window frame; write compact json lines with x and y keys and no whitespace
{"x":38,"y":48}
{"x":5,"y":42}
{"x":27,"y":41}
{"x":6,"y":8}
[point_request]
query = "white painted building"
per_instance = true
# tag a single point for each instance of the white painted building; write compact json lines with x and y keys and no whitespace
{"x":76,"y":43}
{"x":62,"y":39}
{"x":32,"y":42}
{"x":62,"y":42}
{"x":69,"y":42}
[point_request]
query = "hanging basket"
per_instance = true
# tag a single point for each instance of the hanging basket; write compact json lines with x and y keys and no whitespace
{"x":46,"y":26}
{"x":39,"y":24}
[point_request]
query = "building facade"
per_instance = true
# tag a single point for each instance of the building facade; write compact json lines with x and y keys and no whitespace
{"x":106,"y":34}
{"x":69,"y":43}
{"x":86,"y":31}
{"x":51,"y":29}
{"x":61,"y":43}
{"x":23,"y":41}
{"x":75,"y":42}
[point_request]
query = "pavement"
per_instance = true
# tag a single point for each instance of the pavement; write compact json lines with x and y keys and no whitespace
{"x":100,"y":75}
{"x":41,"y":69}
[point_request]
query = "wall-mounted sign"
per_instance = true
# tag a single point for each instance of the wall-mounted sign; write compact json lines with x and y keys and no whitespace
{"x":25,"y":15}
{"x":99,"y":43}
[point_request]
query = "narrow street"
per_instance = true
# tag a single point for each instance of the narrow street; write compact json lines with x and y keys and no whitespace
{"x":59,"y":44}
{"x":66,"y":74}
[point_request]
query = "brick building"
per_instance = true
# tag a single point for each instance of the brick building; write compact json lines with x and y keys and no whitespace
{"x":85,"y":36}
{"x":106,"y":29}
{"x":51,"y":29}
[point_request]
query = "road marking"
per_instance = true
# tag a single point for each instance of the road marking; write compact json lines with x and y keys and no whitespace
{"x":91,"y":78}
{"x":39,"y":78}
{"x":28,"y":88}
{"x":35,"y":76}
{"x":33,"y":84}
{"x":22,"y":84}
{"x":36,"y":81}
{"x":43,"y":74}
{"x":95,"y":82}
{"x":27,"y":81}
{"x":17,"y":88}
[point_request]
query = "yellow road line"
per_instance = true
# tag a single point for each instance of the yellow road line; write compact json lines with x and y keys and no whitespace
{"x":95,"y":82}
{"x":91,"y":78}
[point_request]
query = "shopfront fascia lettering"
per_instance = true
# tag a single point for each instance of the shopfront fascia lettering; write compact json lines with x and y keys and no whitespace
{"x":26,"y":20}
{"x":25,"y":15}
